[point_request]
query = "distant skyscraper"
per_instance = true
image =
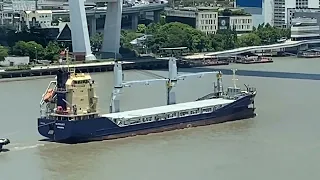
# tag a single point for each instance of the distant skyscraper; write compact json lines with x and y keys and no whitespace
{"x":249,"y":3}
{"x":277,"y":10}
{"x":254,"y":7}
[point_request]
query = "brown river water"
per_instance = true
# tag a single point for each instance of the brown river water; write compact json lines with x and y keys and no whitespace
{"x":282,"y":142}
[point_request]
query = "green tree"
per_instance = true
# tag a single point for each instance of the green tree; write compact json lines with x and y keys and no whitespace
{"x":35,"y":50}
{"x":96,"y":41}
{"x":250,"y":39}
{"x":141,"y":28}
{"x":3,"y":53}
{"x":52,"y":51}
{"x":217,"y":42}
{"x":269,"y":34}
{"x":31,"y":49}
{"x":177,"y":35}
{"x":224,"y":39}
{"x":153,"y":28}
{"x":126,"y":37}
{"x":20,"y":49}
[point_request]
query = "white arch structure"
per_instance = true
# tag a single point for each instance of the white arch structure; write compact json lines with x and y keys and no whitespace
{"x":79,"y":28}
{"x":236,"y":51}
{"x":286,"y":44}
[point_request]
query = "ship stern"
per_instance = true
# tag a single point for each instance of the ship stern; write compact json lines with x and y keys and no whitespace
{"x":54,"y":130}
{"x":251,"y":104}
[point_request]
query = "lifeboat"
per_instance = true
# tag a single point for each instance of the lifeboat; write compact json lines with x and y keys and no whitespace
{"x":60,"y":110}
{"x":49,"y":95}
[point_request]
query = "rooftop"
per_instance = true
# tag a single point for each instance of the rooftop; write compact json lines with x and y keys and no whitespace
{"x":168,"y":108}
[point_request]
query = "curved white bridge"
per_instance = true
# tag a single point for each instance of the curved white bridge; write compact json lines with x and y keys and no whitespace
{"x":286,"y":44}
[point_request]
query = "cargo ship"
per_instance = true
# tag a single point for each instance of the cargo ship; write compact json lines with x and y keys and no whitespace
{"x":69,"y":107}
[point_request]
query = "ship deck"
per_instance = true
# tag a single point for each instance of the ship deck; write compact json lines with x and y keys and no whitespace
{"x":168,"y":108}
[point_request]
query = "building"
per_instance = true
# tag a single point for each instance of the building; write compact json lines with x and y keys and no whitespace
{"x":38,"y":18}
{"x":185,"y":16}
{"x":207,"y":21}
{"x":304,"y":28}
{"x":6,"y":17}
{"x":15,"y":61}
{"x":304,"y":23}
{"x":279,"y":10}
{"x":251,"y":3}
{"x":294,"y":13}
{"x":242,"y":24}
{"x":52,"y":4}
{"x":203,"y":19}
{"x":6,"y":14}
{"x":253,"y":7}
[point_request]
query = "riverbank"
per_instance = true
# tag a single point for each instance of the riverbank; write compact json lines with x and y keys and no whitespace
{"x":16,"y":73}
{"x":40,"y":71}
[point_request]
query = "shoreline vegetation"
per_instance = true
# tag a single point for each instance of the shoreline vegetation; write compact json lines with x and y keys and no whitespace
{"x":160,"y":35}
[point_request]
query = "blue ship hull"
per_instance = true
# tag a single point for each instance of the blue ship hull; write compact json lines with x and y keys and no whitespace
{"x":102,"y":128}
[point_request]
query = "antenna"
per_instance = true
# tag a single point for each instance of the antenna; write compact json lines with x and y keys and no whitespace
{"x":70,"y":69}
{"x":67,"y":59}
{"x":234,"y":79}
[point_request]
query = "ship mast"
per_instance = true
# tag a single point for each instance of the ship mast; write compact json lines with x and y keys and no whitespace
{"x":218,"y":89}
{"x":70,"y":70}
{"x":234,"y":79}
{"x":118,"y":86}
{"x":173,"y":79}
